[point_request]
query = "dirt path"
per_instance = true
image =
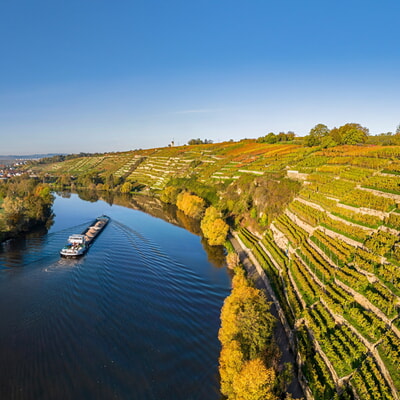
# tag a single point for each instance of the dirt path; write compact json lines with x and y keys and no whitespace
{"x":280,"y":334}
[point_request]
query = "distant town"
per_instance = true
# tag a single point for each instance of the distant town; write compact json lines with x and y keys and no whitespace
{"x":9,"y":171}
{"x":10,"y":164}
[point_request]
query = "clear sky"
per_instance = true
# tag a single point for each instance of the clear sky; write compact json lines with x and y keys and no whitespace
{"x":94,"y":75}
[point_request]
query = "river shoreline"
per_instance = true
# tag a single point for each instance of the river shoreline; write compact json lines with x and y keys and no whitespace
{"x":10,"y":235}
{"x":282,"y":340}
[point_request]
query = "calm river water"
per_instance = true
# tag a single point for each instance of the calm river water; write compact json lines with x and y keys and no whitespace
{"x":136,"y":318}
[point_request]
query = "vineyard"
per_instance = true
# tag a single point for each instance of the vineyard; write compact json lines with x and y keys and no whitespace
{"x":346,"y":283}
{"x":340,"y":276}
{"x":332,"y":257}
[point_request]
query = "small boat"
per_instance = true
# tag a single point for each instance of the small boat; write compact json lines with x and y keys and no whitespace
{"x":78,"y":244}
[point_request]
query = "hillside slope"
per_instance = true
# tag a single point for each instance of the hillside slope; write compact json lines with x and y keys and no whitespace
{"x":332,"y":255}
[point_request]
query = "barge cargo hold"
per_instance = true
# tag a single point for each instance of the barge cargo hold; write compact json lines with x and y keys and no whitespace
{"x":78,"y":244}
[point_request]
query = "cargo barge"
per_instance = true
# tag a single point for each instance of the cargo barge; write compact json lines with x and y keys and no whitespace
{"x":78,"y":244}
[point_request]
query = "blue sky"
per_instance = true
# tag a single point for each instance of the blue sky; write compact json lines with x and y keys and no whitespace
{"x":118,"y":75}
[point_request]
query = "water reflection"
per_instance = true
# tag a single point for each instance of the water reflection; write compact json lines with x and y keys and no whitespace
{"x":14,"y":252}
{"x":215,"y":254}
{"x":89,"y":195}
{"x":167,"y":212}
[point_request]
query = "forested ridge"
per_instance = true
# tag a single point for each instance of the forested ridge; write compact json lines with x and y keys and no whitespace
{"x":322,"y":221}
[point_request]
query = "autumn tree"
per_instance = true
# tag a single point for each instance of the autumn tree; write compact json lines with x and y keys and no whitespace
{"x":170,"y":194}
{"x":254,"y":382}
{"x":214,"y":227}
{"x":245,"y":317}
{"x":245,"y":334}
{"x":191,"y":205}
{"x":230,"y":365}
{"x":240,"y":279}
{"x":126,"y":187}
{"x":254,"y":322}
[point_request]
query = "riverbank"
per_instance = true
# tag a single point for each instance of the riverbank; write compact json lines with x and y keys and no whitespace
{"x":282,"y":339}
{"x":4,"y":236}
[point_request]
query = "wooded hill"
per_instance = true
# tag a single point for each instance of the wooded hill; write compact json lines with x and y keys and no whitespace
{"x":323,"y":223}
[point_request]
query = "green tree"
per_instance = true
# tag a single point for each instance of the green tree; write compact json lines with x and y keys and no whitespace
{"x":14,"y":209}
{"x":199,"y":141}
{"x":336,"y":135}
{"x":353,"y":133}
{"x":269,"y":138}
{"x":316,"y":134}
{"x":282,"y":137}
{"x":290,"y":135}
{"x":398,"y":130}
{"x":110,"y":182}
{"x":328,"y":141}
{"x":64,"y":181}
{"x":27,"y":203}
{"x":350,"y":133}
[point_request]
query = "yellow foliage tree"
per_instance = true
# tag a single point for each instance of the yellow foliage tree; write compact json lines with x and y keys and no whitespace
{"x":245,"y":317}
{"x":230,"y":364}
{"x":239,"y":279}
{"x":214,"y":227}
{"x":169,"y":194}
{"x":126,"y":187}
{"x":254,"y":382}
{"x":245,"y":334}
{"x":231,"y":307}
{"x":190,"y":204}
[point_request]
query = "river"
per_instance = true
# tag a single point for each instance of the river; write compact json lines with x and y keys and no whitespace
{"x":136,"y":318}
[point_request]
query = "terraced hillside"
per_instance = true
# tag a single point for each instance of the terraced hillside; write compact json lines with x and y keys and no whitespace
{"x":212,"y":162}
{"x":332,"y":257}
